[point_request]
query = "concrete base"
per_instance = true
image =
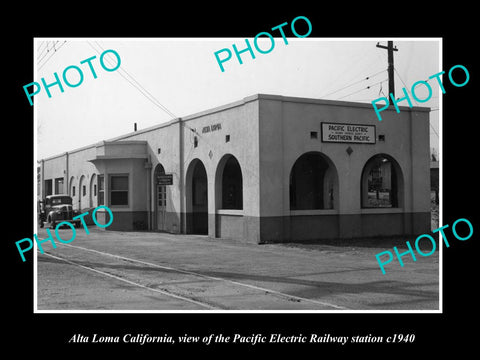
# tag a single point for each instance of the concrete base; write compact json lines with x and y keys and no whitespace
{"x":124,"y":221}
{"x":171,"y":223}
{"x":282,"y":228}
{"x":318,"y":227}
{"x":238,"y":227}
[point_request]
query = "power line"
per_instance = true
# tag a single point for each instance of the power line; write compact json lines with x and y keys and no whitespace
{"x":350,"y":85}
{"x":435,"y":131}
{"x":137,"y":85}
{"x":53,"y":53}
{"x":43,"y":54}
{"x":345,"y":74}
{"x":403,"y":82}
{"x":366,"y":88}
{"x":141,"y":86}
{"x":43,"y":43}
{"x":405,"y":86}
{"x":46,"y":50}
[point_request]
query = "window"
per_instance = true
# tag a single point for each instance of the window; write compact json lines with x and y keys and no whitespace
{"x":84,"y":190}
{"x":61,"y":200}
{"x":313,"y":134}
{"x":101,"y":190}
{"x":232,"y":188}
{"x":379,"y":183}
{"x":48,"y":187}
{"x":195,"y":141}
{"x":227,"y":138}
{"x":73,"y":190}
{"x":118,"y":189}
{"x":94,"y":189}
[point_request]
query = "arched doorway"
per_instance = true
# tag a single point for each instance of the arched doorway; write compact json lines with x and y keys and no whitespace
{"x":160,"y":199}
{"x":313,"y":183}
{"x":197,"y":198}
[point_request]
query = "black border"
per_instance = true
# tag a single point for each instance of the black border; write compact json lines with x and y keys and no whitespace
{"x":48,"y":333}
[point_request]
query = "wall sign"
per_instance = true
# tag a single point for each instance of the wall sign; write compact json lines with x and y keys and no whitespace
{"x":348,"y":133}
{"x":165,"y":179}
{"x":210,"y":128}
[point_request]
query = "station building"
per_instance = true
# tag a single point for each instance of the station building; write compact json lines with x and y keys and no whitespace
{"x":267,"y":168}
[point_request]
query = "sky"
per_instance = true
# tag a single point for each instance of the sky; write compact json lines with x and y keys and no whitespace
{"x":160,"y":79}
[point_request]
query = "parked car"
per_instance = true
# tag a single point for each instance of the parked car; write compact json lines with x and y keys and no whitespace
{"x":55,"y":209}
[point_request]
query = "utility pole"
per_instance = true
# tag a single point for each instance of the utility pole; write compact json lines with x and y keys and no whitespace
{"x":390,"y":49}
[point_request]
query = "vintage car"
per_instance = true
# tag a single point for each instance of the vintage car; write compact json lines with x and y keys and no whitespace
{"x":55,"y":209}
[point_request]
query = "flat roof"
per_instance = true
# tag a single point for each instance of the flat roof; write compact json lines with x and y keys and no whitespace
{"x":230,"y":105}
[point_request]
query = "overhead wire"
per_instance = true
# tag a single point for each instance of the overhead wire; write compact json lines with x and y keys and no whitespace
{"x":45,"y":45}
{"x":352,"y":84}
{"x":405,"y":86}
{"x":43,"y":54}
{"x":42,"y":44}
{"x":52,"y":54}
{"x":132,"y":81}
{"x":144,"y":92}
{"x":46,"y":50}
{"x":122,"y":69}
{"x":345,"y":73}
{"x":363,"y":89}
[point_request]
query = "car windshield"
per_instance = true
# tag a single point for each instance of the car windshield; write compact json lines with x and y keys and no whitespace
{"x":61,"y":200}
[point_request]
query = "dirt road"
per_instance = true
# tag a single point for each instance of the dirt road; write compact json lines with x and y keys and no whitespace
{"x":109,"y":270}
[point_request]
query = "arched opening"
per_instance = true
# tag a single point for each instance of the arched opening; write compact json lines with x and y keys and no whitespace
{"x":229,"y":184}
{"x":313,"y":183}
{"x":93,"y":192}
{"x":381,"y":183}
{"x":160,"y":198}
{"x":197,"y":198}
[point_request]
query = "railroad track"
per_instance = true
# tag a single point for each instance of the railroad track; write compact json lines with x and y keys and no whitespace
{"x":206,"y":291}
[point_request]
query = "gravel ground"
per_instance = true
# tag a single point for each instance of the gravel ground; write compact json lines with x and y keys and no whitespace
{"x":203,"y":274}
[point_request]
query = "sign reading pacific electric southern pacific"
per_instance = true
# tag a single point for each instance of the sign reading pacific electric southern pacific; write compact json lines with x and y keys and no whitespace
{"x":348,"y":133}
